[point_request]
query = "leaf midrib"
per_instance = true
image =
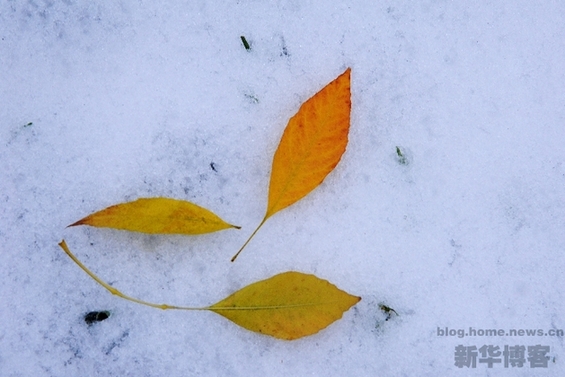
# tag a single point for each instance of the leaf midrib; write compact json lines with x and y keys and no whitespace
{"x":272,"y":307}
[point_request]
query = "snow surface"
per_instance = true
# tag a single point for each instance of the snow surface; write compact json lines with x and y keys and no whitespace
{"x":104,"y":102}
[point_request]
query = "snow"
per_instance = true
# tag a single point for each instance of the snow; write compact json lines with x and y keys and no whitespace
{"x":104,"y":103}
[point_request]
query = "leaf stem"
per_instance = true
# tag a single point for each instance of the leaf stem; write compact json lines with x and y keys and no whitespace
{"x":116,"y":292}
{"x":250,"y":237}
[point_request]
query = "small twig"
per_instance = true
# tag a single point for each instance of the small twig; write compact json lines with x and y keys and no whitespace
{"x":245,"y":44}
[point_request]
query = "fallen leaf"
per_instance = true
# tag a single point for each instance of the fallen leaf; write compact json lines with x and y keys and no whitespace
{"x":311,"y":146}
{"x":157,"y":216}
{"x":287,"y":306}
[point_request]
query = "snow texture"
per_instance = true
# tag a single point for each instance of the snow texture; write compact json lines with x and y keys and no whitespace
{"x":105,"y":102}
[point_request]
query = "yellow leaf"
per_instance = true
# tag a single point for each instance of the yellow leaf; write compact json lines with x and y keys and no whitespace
{"x":287,"y":306}
{"x":311,"y":146}
{"x":157,"y":216}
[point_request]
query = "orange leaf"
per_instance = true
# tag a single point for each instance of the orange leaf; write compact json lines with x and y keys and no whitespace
{"x":157,"y":216}
{"x":287,"y":306}
{"x":311,"y":146}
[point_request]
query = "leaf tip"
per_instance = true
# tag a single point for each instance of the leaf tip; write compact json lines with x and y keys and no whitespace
{"x":80,"y":222}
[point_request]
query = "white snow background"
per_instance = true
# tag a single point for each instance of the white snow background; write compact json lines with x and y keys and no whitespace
{"x":105,"y":102}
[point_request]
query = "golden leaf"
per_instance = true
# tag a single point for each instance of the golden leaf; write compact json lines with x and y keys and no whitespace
{"x":287,"y":306}
{"x":311,"y":146}
{"x":157,"y":216}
